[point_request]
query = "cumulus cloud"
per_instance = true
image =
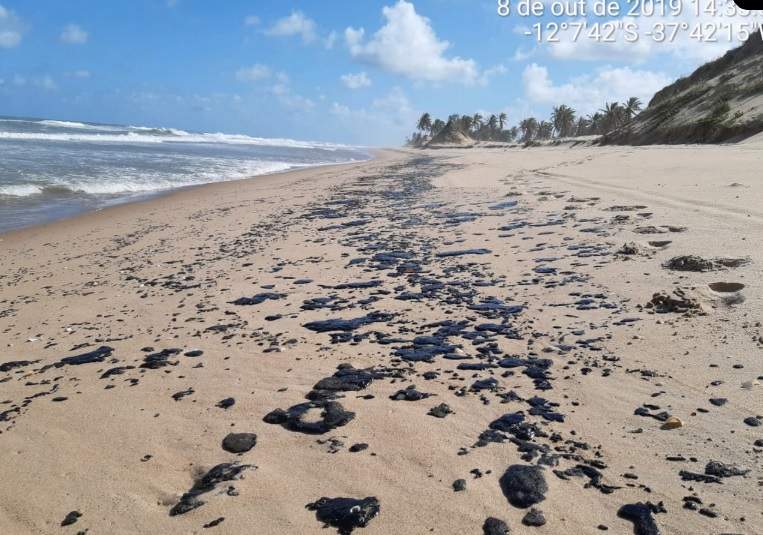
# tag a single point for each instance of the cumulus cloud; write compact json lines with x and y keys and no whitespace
{"x":680,"y":46}
{"x":330,"y":40}
{"x":356,"y":81}
{"x":252,"y":20}
{"x":74,"y":35}
{"x":295,"y":24}
{"x":392,"y":110}
{"x":408,"y":45}
{"x":289,"y":99}
{"x":10,"y":28}
{"x":254,"y":73}
{"x":590,"y":92}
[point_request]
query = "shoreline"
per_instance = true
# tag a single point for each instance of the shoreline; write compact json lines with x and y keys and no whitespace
{"x":493,"y":282}
{"x":156,"y":196}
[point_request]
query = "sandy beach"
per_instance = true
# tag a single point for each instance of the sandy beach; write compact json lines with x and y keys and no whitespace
{"x":501,"y":354}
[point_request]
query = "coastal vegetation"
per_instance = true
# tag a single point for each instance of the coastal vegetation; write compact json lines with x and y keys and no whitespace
{"x":564,"y":122}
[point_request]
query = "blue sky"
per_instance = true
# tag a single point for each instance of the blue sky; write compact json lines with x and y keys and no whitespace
{"x":347,"y":71}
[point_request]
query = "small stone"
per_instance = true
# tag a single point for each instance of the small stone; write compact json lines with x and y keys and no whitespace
{"x":459,"y":485}
{"x":672,"y":423}
{"x":358,"y":447}
{"x":534,"y":517}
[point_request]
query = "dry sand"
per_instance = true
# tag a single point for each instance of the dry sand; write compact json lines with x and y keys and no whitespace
{"x":162,"y":274}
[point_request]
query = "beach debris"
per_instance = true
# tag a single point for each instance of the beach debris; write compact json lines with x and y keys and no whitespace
{"x":440,"y":411}
{"x":409,"y":394}
{"x":719,"y":469}
{"x":71,"y":518}
{"x":459,"y":485}
{"x":699,"y":264}
{"x":345,"y":514}
{"x":534,"y":518}
{"x":640,"y":514}
{"x":239,"y":442}
{"x":524,"y":485}
{"x":257,"y":299}
{"x":207,"y":483}
{"x":672,"y":422}
{"x":332,"y":415}
{"x":678,"y":301}
{"x":495,"y":526}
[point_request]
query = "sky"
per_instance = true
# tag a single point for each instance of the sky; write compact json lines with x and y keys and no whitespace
{"x":347,"y":71}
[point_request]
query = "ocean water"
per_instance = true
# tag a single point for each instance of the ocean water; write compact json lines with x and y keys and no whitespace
{"x":54,"y":169}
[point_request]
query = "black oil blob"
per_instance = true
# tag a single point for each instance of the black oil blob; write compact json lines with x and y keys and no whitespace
{"x":345,"y":514}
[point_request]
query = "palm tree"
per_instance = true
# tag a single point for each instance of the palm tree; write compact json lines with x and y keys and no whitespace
{"x":425,"y":123}
{"x":563,"y":120}
{"x":492,"y":125}
{"x":595,"y":123}
{"x":437,"y":126}
{"x":477,"y":122}
{"x":582,"y":126}
{"x":545,"y":130}
{"x":502,"y":117}
{"x":632,"y":107}
{"x":529,"y":128}
{"x":466,"y":123}
{"x":613,"y":116}
{"x":512,"y":133}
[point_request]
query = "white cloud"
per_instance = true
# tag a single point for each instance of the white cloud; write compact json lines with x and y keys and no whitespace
{"x":295,"y":24}
{"x":356,"y":81}
{"x":10,"y":28}
{"x":589,"y":93}
{"x":74,"y":35}
{"x":45,"y":82}
{"x":392,"y":116}
{"x":407,"y":45}
{"x":680,"y":46}
{"x":487,"y":74}
{"x":330,"y":40}
{"x":252,"y":20}
{"x":287,"y":96}
{"x":290,"y":99}
{"x":254,"y":73}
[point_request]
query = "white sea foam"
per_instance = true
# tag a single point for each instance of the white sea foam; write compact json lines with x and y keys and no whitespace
{"x":124,"y":183}
{"x":20,"y":190}
{"x":69,"y":124}
{"x":146,"y":134}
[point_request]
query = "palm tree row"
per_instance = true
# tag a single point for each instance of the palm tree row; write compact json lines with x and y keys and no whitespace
{"x":563,"y":123}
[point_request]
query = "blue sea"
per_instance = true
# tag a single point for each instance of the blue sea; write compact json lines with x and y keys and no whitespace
{"x":53,"y":169}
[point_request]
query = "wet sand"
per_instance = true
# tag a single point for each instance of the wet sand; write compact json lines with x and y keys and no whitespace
{"x":445,"y":336}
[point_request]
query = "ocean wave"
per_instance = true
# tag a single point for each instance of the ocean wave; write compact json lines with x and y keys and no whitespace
{"x":69,"y":124}
{"x":144,"y":134}
{"x":145,"y":182}
{"x":20,"y":190}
